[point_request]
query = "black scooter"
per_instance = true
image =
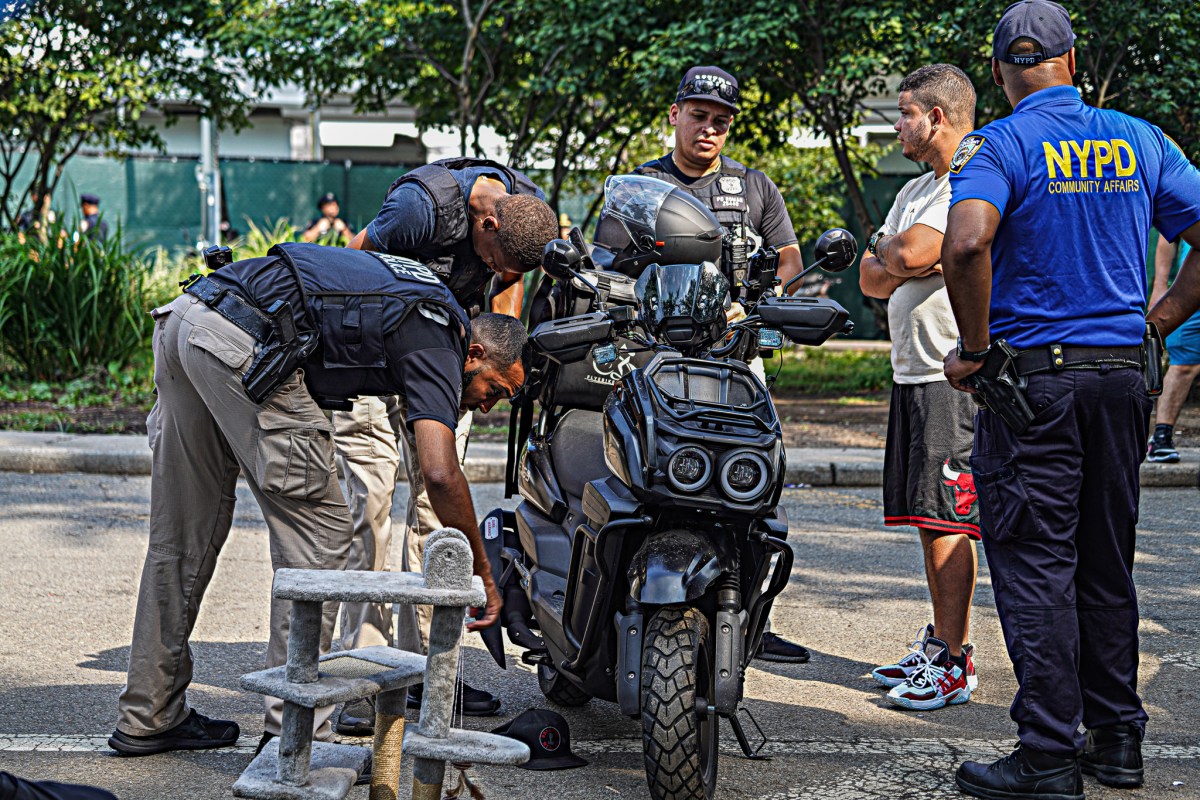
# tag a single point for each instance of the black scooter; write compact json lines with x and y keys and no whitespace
{"x":649,"y":546}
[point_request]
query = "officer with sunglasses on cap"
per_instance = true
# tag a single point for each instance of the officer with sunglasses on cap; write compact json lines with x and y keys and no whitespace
{"x":745,"y":201}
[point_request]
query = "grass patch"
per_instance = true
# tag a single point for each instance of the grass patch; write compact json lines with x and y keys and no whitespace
{"x":812,"y":371}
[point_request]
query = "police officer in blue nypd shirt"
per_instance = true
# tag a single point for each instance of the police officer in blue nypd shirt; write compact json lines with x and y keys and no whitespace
{"x":1045,"y":247}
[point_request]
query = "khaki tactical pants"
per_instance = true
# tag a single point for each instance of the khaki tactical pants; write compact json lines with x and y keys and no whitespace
{"x":368,"y":440}
{"x":203,"y":429}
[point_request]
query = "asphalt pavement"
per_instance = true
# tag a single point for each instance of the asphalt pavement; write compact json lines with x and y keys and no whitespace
{"x":73,"y":546}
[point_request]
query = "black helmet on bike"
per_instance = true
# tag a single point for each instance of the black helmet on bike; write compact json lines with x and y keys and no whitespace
{"x":648,"y":221}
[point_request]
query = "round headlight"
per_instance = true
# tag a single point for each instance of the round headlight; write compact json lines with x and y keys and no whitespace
{"x":745,"y":475}
{"x":689,"y":469}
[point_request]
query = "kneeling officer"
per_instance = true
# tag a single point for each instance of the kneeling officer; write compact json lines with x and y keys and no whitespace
{"x":243,"y":362}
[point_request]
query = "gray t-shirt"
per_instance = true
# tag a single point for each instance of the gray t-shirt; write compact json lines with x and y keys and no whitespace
{"x":919,"y":315}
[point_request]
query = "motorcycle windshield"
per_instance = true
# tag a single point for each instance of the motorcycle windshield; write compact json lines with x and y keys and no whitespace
{"x":635,"y":199}
{"x":697,"y":291}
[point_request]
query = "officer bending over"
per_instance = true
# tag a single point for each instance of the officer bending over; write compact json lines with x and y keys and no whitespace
{"x":303,"y":327}
{"x":477,"y":225}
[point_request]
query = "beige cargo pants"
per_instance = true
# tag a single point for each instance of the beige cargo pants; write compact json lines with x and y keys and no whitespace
{"x":203,"y":429}
{"x":369,"y":439}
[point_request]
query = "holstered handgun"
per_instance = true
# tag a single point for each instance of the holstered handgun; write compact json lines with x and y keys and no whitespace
{"x":280,"y":357}
{"x":1152,"y":360}
{"x":999,"y":388}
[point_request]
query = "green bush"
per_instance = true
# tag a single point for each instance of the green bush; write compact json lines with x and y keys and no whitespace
{"x":809,"y":370}
{"x":68,"y":308}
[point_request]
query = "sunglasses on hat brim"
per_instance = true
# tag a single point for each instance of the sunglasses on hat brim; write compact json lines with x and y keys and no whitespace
{"x":707,"y":86}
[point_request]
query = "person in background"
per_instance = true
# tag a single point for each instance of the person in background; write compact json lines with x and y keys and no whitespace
{"x":327,"y":221}
{"x":926,"y":474}
{"x":91,"y":227}
{"x":1183,"y":348}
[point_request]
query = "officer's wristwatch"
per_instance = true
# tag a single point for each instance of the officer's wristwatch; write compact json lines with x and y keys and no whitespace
{"x":972,"y":355}
{"x":874,"y":241}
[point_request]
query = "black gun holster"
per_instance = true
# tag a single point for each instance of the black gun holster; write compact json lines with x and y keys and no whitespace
{"x":281,"y":348}
{"x":1000,"y":389}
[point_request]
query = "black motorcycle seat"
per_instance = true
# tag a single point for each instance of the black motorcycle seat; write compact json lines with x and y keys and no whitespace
{"x":577,"y":450}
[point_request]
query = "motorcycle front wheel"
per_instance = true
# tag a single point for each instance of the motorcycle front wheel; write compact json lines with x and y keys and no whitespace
{"x":679,"y":737}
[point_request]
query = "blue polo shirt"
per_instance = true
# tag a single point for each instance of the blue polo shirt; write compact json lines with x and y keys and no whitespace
{"x":1078,"y":189}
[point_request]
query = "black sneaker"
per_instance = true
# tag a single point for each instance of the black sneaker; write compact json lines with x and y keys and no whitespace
{"x":1022,"y":775}
{"x":776,"y":648}
{"x":197,"y":732}
{"x":474,"y":702}
{"x":1162,"y":450}
{"x":357,"y":718}
{"x":1113,"y":755}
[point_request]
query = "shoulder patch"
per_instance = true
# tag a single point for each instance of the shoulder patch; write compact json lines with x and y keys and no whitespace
{"x":966,"y":149}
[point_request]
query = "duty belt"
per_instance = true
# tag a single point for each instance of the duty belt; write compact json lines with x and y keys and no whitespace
{"x":1058,"y":357}
{"x":230,"y":306}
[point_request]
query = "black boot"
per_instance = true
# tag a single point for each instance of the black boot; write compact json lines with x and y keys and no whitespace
{"x":1023,"y":775}
{"x":1114,"y":756}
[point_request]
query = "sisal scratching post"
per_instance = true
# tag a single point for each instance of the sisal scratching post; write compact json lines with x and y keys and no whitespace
{"x":385,"y":751}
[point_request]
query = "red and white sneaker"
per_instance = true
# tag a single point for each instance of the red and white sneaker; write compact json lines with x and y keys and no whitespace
{"x":972,"y":679}
{"x":936,"y":683}
{"x":891,"y":675}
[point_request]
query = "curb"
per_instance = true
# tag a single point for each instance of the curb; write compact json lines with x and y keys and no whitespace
{"x":42,"y":453}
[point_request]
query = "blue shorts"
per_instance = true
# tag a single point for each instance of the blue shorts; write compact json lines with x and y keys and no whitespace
{"x":1183,"y":346}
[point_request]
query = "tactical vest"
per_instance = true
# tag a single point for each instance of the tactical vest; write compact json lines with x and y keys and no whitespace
{"x":724,"y":192}
{"x":450,"y":254}
{"x":354,"y":299}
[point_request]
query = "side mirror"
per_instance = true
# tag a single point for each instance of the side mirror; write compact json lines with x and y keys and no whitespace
{"x":560,"y":260}
{"x":836,"y":250}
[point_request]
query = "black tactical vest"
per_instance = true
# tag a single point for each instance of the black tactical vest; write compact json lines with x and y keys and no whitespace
{"x":450,"y":254}
{"x":725,"y":192}
{"x":354,"y":299}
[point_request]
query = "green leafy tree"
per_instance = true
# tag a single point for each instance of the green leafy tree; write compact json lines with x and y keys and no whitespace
{"x":1130,"y":55}
{"x":80,"y":73}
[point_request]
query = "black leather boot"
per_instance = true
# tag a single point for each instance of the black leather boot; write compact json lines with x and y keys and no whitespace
{"x":1023,"y":775}
{"x":1114,"y":756}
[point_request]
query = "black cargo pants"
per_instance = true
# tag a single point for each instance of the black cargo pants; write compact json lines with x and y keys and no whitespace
{"x":1058,"y":509}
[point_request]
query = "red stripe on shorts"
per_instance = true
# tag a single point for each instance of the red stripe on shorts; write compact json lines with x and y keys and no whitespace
{"x":942,"y":525}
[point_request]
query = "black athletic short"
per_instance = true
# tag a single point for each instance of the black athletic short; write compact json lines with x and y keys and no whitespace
{"x":927,"y":480}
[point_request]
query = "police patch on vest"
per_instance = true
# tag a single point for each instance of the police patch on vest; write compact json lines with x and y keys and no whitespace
{"x":968,"y":148}
{"x":407,"y":268}
{"x":722,"y":201}
{"x":730,"y":184}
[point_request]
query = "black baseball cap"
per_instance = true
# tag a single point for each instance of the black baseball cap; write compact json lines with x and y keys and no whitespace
{"x":328,"y":197}
{"x":548,"y":737}
{"x":89,"y":198}
{"x":709,"y":83}
{"x":1045,"y":22}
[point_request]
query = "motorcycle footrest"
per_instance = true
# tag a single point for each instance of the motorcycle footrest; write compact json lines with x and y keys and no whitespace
{"x":537,"y":657}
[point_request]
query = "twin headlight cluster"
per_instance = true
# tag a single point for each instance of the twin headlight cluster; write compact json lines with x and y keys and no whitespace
{"x":743,"y":475}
